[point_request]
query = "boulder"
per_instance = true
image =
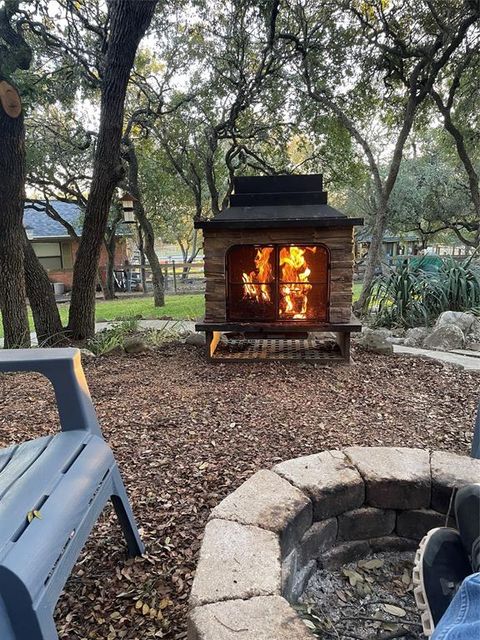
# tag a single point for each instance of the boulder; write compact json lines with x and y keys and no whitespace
{"x":445,"y":338}
{"x":86,"y":353}
{"x":195,"y":339}
{"x":416,"y":336}
{"x":377,"y":341}
{"x":135,"y":344}
{"x":464,"y":321}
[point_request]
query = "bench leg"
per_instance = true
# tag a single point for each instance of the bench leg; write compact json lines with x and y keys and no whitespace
{"x":21,"y":622}
{"x":125,"y":516}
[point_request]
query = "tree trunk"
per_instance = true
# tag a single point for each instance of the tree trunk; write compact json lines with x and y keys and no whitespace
{"x":50,"y":332}
{"x":129,"y":21}
{"x":158,"y":281}
{"x":374,"y":256}
{"x":13,"y":303}
{"x":109,"y":289}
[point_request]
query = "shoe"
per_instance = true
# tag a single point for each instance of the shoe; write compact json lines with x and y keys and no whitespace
{"x":441,"y":564}
{"x":467,"y":514}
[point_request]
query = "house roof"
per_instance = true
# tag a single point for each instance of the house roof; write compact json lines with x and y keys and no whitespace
{"x":409,"y":236}
{"x":260,"y":202}
{"x":42,"y":226}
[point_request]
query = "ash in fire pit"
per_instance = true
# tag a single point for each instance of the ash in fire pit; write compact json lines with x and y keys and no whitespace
{"x":371,"y":599}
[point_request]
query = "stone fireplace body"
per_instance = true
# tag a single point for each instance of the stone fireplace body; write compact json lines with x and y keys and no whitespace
{"x":278,"y":266}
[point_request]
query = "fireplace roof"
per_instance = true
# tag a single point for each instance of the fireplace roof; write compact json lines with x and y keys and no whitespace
{"x":261,"y":202}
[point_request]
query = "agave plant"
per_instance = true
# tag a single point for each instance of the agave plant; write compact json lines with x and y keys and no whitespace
{"x":411,"y":296}
{"x":460,"y":284}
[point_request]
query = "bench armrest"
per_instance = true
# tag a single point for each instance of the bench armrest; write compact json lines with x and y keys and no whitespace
{"x":63,"y":368}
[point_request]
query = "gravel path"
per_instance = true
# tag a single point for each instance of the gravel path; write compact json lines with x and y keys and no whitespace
{"x":187,"y":432}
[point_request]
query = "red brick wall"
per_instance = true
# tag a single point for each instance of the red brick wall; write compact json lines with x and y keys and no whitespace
{"x":66,"y":275}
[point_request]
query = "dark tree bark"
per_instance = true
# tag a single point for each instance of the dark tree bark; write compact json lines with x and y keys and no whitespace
{"x":41,"y":296}
{"x":129,"y":21}
{"x":110,"y":246}
{"x":13,"y":302}
{"x":158,"y":279}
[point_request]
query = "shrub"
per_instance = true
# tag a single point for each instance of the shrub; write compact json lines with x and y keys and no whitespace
{"x":411,"y":296}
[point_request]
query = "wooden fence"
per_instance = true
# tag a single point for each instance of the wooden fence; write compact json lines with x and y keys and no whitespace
{"x":178,"y":275}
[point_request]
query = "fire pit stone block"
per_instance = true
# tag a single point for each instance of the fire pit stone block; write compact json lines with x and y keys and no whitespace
{"x":331,"y":482}
{"x":268,"y":501}
{"x":319,"y":538}
{"x":364,"y":523}
{"x":450,"y":470}
{"x":260,"y":618}
{"x":392,"y":543}
{"x":418,"y":522}
{"x":395,"y":477}
{"x":261,"y":542}
{"x":344,"y":553}
{"x":236,"y":561}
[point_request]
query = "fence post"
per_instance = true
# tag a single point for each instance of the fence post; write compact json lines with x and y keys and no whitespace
{"x":174,"y":276}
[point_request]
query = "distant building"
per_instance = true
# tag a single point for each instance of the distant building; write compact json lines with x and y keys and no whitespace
{"x":408,"y":243}
{"x":56,"y":248}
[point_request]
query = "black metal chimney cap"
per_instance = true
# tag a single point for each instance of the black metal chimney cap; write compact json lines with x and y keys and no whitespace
{"x":278,"y":201}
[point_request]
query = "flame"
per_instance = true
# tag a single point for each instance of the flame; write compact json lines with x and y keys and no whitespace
{"x":294,"y":284}
{"x":294,"y":271}
{"x":262,"y":274}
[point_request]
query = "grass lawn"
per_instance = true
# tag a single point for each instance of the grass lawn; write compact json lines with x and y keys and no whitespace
{"x":181,"y":307}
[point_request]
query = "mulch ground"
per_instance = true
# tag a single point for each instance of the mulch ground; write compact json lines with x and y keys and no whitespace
{"x":186,"y":433}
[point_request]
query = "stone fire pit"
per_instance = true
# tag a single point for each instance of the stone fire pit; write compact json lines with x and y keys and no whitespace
{"x":264,"y":540}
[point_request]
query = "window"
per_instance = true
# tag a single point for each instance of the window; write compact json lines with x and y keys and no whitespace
{"x":49,"y":255}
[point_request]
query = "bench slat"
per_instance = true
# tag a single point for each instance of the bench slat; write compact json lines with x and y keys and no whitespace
{"x":23,"y":457}
{"x":37,"y":482}
{"x":34,"y":555}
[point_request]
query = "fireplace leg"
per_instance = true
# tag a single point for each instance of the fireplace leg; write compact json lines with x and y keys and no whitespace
{"x":343,"y":341}
{"x":212,"y":338}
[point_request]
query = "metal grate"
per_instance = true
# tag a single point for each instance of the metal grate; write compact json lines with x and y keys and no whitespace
{"x":310,"y":348}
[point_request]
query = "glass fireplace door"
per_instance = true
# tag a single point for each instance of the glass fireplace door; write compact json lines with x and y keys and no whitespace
{"x":271,"y":283}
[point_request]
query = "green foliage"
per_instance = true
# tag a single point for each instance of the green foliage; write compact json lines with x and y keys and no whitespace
{"x":411,"y":295}
{"x":109,"y":339}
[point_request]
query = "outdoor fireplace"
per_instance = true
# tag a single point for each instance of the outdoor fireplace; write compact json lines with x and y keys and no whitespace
{"x":278,"y":272}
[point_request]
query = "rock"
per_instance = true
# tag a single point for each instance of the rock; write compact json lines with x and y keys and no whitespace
{"x":344,"y":553}
{"x":416,"y":336}
{"x":195,"y":339}
{"x":395,"y":477}
{"x":319,"y":538}
{"x":86,"y":353}
{"x":364,"y":523}
{"x":472,"y":346}
{"x":376,"y":341}
{"x":466,"y":322}
{"x":418,"y":522}
{"x":261,"y":618}
{"x":268,"y":501}
{"x":135,"y":344}
{"x":396,"y":340}
{"x":295,"y":575}
{"x":449,"y":471}
{"x":331,"y":482}
{"x":236,"y":561}
{"x":445,"y":338}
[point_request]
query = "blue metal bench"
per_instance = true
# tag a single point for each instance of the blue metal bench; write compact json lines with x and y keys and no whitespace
{"x":67,"y":479}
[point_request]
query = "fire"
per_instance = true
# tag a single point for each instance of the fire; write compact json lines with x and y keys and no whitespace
{"x":293,"y":286}
{"x":294,"y":272}
{"x":263,"y":273}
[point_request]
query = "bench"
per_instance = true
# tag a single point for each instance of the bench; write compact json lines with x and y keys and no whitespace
{"x":66,"y":479}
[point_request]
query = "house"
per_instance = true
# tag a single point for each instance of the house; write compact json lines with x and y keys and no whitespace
{"x":56,"y":247}
{"x":408,"y":243}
